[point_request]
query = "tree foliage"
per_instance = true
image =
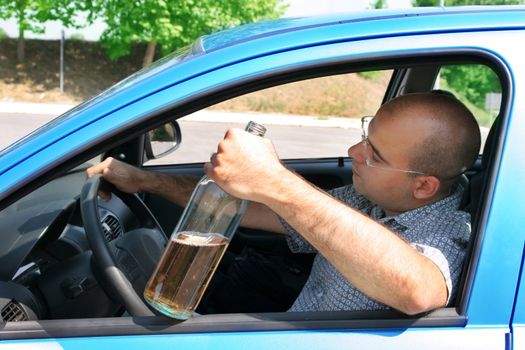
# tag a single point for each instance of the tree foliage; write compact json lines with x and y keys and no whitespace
{"x":473,"y":81}
{"x":174,"y":23}
{"x":378,"y":4}
{"x":30,"y":15}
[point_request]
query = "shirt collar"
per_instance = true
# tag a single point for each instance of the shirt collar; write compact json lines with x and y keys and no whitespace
{"x":407,"y":218}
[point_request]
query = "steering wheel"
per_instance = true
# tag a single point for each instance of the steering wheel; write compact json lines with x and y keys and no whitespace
{"x":126,"y":262}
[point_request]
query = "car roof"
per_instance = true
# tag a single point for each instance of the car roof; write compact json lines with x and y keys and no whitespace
{"x":262,"y":29}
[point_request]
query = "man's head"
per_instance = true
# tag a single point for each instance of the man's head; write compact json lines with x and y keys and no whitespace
{"x":433,"y":135}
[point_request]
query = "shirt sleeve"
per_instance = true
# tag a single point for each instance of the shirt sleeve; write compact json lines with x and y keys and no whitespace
{"x":444,"y":241}
{"x":441,"y":262}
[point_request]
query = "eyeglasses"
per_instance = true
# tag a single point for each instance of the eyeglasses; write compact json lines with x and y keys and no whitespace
{"x":371,"y":153}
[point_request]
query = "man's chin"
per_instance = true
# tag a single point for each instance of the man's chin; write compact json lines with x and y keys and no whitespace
{"x":359,"y":188}
{"x":356,"y":179}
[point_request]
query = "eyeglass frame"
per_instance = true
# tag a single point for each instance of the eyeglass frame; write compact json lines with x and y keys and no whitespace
{"x":366,"y":144}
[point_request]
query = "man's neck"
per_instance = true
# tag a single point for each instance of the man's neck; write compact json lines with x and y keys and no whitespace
{"x":416,"y":204}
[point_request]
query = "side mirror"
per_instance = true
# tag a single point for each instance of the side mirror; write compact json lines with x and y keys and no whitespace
{"x":162,"y":140}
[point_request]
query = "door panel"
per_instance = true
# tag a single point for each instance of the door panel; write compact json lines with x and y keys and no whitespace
{"x":518,"y":321}
{"x":403,"y":338}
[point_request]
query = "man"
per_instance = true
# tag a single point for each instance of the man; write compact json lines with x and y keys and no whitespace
{"x":395,"y":238}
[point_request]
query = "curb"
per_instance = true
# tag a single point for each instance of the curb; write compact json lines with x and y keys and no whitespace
{"x":272,"y":119}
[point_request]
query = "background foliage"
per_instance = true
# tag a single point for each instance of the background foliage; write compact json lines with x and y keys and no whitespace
{"x":31,"y":15}
{"x":168,"y":23}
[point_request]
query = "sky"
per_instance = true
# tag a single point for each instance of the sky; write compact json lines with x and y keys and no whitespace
{"x":296,"y":8}
{"x":299,"y":8}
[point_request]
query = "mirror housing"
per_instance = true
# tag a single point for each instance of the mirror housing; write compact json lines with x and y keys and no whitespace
{"x":162,"y":140}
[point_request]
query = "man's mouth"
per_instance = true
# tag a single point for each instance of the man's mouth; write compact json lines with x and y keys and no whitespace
{"x":355,"y":172}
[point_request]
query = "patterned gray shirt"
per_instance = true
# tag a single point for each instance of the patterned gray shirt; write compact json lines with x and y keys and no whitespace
{"x":439,"y":231}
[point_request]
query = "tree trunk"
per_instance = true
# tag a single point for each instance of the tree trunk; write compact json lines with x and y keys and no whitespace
{"x":20,"y":50}
{"x":150,"y":54}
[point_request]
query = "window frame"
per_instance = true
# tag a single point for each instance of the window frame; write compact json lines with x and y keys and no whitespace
{"x":446,"y":317}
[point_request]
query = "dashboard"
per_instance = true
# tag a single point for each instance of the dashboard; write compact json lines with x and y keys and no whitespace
{"x":46,"y":267}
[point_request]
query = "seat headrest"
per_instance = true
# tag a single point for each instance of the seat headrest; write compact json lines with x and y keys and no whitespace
{"x":490,"y":142}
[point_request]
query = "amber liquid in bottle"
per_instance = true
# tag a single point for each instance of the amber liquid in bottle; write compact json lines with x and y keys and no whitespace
{"x":184,"y":271}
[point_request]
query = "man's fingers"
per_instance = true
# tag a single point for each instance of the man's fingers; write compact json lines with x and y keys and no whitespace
{"x":93,"y":170}
{"x":103,"y":170}
{"x":98,"y":168}
{"x":106,"y":196}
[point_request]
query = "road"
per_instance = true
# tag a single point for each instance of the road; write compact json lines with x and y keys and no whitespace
{"x":200,"y":138}
{"x":15,"y":126}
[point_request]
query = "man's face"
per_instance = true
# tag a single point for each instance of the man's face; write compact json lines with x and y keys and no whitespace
{"x":390,"y":141}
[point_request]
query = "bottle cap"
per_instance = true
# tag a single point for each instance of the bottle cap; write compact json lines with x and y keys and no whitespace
{"x":255,"y":128}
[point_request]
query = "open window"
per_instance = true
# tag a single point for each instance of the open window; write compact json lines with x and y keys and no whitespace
{"x":312,"y":101}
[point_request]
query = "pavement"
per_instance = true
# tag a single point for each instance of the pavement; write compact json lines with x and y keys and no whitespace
{"x":34,"y":108}
{"x":207,"y":115}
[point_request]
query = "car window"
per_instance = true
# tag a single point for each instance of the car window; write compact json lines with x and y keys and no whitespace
{"x":478,"y":87}
{"x":314,"y":118}
{"x":320,"y":118}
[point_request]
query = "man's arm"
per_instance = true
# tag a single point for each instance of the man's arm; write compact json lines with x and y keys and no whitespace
{"x":130,"y":179}
{"x":176,"y":188}
{"x":374,"y":259}
{"x":370,"y":256}
{"x":259,"y":216}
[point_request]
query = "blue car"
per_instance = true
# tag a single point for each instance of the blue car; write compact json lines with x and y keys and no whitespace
{"x":73,"y":267}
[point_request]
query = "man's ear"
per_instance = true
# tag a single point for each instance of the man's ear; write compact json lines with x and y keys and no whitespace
{"x":426,"y":187}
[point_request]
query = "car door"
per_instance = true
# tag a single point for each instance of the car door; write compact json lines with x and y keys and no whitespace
{"x":481,"y":317}
{"x":474,"y":326}
{"x":468,"y":325}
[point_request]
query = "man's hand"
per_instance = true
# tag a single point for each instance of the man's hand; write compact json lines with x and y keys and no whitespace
{"x":125,"y":177}
{"x":245,"y":165}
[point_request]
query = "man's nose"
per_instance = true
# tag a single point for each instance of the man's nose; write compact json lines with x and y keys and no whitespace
{"x":357,"y":153}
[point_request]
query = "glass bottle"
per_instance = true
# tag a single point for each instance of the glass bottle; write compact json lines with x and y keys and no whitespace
{"x":196,"y":247}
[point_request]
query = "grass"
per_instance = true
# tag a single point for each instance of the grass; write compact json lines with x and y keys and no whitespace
{"x":347,"y":95}
{"x":87,"y":71}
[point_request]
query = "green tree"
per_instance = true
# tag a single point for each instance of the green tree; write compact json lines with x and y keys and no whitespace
{"x":473,"y":81}
{"x":425,"y":3}
{"x":174,"y":23}
{"x":379,"y":4}
{"x":31,"y":15}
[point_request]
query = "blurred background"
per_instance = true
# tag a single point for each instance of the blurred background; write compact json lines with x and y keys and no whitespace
{"x":66,"y":51}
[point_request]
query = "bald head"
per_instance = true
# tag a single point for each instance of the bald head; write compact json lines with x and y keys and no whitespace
{"x":444,"y":135}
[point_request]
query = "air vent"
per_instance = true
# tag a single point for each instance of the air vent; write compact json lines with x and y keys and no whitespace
{"x":112,"y":228}
{"x":13,"y":312}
